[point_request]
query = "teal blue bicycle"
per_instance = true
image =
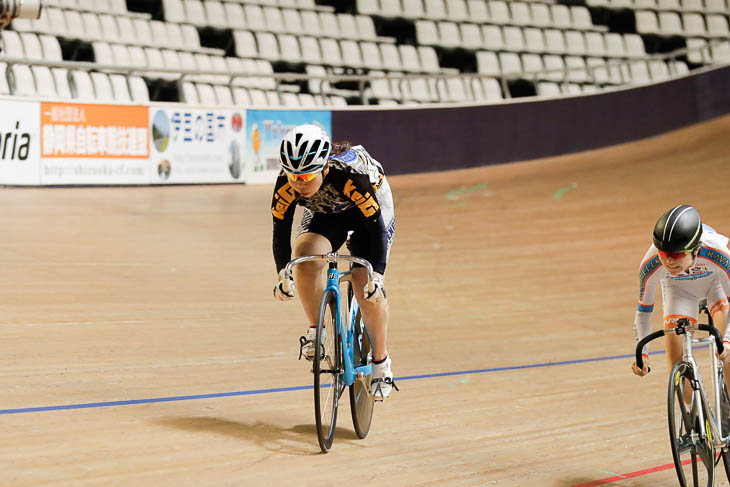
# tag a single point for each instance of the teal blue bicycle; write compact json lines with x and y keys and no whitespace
{"x":343,"y":358}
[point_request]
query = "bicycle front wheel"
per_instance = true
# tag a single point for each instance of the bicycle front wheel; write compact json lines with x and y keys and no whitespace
{"x":361,"y":402}
{"x":724,"y":401}
{"x":327,"y":368}
{"x":694,"y":455}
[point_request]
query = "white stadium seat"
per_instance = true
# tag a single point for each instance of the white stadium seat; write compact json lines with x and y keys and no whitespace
{"x":23,"y":82}
{"x":45,"y":84}
{"x":63,"y":87}
{"x":120,"y":88}
{"x":102,"y":87}
{"x":4,"y":86}
{"x":82,"y":87}
{"x":189,"y":94}
{"x":138,"y":90}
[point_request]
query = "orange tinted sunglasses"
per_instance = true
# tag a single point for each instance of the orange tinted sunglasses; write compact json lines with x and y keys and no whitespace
{"x":302,"y":177}
{"x":675,"y":255}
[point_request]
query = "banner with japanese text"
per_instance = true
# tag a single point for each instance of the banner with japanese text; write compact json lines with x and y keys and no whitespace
{"x":94,"y":144}
{"x":192,"y":145}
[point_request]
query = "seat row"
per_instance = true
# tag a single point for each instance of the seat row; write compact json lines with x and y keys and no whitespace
{"x":707,"y":6}
{"x":702,"y":52}
{"x":331,"y":52}
{"x":551,"y":89}
{"x":122,"y":57}
{"x":120,"y":6}
{"x":28,"y":45}
{"x":114,"y":7}
{"x":432,"y":90}
{"x":302,"y":4}
{"x":259,"y":72}
{"x":60,"y":83}
{"x":88,"y":26}
{"x":197,"y":93}
{"x":577,"y":69}
{"x":482,"y":12}
{"x":44,"y":47}
{"x":686,"y":24}
{"x":528,"y":39}
{"x":214,"y":13}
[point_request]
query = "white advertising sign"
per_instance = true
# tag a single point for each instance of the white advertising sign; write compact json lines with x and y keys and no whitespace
{"x":191,"y":145}
{"x":19,"y":143}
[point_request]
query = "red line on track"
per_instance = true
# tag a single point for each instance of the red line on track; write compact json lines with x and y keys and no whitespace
{"x":638,"y":473}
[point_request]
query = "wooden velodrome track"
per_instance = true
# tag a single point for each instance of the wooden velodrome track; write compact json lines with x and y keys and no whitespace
{"x":132,"y":317}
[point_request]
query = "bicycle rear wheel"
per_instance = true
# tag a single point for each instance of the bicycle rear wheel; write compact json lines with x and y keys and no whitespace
{"x":326,"y":369}
{"x":694,"y":456}
{"x":361,"y":402}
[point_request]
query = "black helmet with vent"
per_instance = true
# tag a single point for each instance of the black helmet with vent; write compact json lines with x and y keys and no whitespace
{"x":679,"y":229}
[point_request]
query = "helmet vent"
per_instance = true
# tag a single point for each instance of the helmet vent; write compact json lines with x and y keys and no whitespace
{"x":304,"y":149}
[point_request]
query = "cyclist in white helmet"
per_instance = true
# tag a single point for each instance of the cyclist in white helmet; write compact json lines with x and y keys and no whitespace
{"x":692,"y":262}
{"x":342,"y":190}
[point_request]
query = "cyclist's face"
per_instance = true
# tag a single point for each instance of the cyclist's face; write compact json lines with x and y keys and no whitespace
{"x":676,"y":266}
{"x":308,"y":188}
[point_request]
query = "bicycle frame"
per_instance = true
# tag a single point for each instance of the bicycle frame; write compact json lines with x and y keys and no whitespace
{"x":699,"y":394}
{"x":345,"y":327}
{"x":702,"y":423}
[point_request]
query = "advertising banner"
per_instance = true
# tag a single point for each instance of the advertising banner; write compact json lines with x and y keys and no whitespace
{"x":19,"y":143}
{"x":265,"y":129}
{"x":94,"y":144}
{"x":191,"y":145}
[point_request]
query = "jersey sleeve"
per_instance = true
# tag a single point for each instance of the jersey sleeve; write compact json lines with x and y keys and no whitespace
{"x":649,"y":278}
{"x":361,"y":192}
{"x":283,"y":205}
{"x":718,"y":254}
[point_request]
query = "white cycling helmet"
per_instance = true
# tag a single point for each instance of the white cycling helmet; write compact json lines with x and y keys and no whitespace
{"x":304,"y":149}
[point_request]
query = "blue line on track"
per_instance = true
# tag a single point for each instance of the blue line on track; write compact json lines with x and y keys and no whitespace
{"x":301,"y":388}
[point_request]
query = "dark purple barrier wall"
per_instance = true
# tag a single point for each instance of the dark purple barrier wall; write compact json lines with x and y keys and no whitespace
{"x":436,"y":139}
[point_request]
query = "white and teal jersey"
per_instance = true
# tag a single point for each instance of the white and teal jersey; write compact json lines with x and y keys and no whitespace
{"x":708,"y":277}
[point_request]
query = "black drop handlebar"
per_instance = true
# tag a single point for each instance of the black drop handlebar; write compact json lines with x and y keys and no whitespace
{"x":680,"y":329}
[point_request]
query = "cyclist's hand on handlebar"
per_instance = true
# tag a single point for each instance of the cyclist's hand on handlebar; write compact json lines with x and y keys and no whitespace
{"x":375,"y":291}
{"x":725,"y":355}
{"x":641,"y":372}
{"x":285,"y":289}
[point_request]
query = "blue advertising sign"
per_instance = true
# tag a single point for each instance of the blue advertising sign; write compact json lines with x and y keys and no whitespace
{"x":264,"y":131}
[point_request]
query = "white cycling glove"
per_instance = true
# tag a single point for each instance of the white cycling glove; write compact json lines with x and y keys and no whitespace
{"x":375,"y":291}
{"x":285,"y":289}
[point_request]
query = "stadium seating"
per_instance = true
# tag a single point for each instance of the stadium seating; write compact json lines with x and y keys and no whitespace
{"x":559,"y":47}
